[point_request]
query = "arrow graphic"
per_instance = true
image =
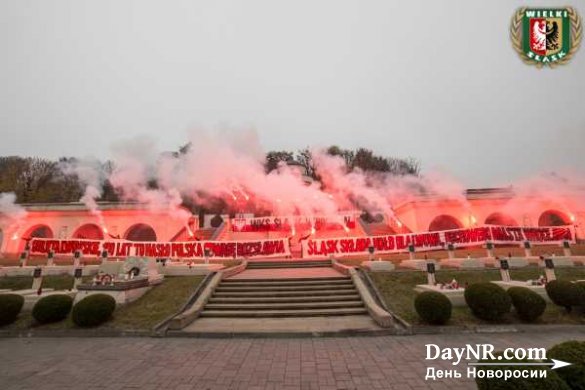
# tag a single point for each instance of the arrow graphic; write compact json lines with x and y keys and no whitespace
{"x":555,"y":364}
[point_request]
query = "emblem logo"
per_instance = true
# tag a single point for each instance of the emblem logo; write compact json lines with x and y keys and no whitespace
{"x":546,"y":36}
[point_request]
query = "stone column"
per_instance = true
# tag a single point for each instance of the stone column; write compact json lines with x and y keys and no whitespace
{"x":37,"y":280}
{"x":76,"y":258}
{"x":50,"y":258}
{"x":505,"y":270}
{"x":527,"y":249}
{"x":549,"y":270}
{"x":567,"y":248}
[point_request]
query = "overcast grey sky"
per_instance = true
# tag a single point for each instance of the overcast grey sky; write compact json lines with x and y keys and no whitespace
{"x":435,"y":80}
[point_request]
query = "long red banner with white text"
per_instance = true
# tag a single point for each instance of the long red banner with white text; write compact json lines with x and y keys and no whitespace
{"x":178,"y":250}
{"x":319,"y":248}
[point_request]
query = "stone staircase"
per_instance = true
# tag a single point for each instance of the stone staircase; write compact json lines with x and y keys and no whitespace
{"x":298,"y":297}
{"x":288,"y":264}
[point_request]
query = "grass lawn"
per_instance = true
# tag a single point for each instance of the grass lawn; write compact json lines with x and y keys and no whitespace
{"x":397,"y":289}
{"x":156,"y":305}
{"x":142,"y":314}
{"x":56,"y":282}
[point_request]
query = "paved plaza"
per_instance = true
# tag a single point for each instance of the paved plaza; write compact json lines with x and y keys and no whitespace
{"x":388,"y":362}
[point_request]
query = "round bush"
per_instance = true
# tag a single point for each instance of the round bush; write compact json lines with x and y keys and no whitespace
{"x":572,"y":352}
{"x":528,"y":304}
{"x":433,"y":307}
{"x":488,"y":301}
{"x":93,"y":310}
{"x":10,"y":306}
{"x":566,"y":294}
{"x":52,"y":308}
{"x":552,"y":380}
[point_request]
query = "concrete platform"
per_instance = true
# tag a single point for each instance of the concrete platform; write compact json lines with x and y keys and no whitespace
{"x":419,"y":264}
{"x":456,"y":297}
{"x":560,"y":261}
{"x":463,"y":263}
{"x":378,"y":266}
{"x":514,"y":262}
{"x":280,"y":326}
{"x":540,"y":290}
{"x":31,"y":299}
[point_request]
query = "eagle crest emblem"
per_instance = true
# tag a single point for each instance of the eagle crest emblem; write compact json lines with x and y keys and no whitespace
{"x":546,"y":37}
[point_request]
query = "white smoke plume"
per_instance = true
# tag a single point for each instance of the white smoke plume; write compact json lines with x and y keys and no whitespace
{"x":11,"y":214}
{"x":229,"y":165}
{"x":91,"y":175}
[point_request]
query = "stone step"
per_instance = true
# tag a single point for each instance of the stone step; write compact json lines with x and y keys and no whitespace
{"x":324,"y":298}
{"x":286,"y":282}
{"x":244,"y":280}
{"x":289,"y":262}
{"x":298,"y":293}
{"x":284,"y":313}
{"x":285,"y":288}
{"x":276,"y":266}
{"x":283,"y":306}
{"x":292,"y":286}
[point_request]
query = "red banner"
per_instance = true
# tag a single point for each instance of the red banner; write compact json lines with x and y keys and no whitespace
{"x":175,"y":250}
{"x":397,"y":243}
{"x":274,"y":224}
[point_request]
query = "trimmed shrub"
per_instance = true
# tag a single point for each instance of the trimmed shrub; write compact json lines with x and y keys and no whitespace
{"x":488,"y":301}
{"x":552,"y":380}
{"x":528,"y":304}
{"x":52,"y":308}
{"x":566,"y":294}
{"x":433,"y":307}
{"x":571,"y":352}
{"x":93,"y":310}
{"x":10,"y":306}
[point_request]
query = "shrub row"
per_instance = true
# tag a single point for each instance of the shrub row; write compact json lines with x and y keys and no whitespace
{"x":90,"y":311}
{"x":487,"y":301}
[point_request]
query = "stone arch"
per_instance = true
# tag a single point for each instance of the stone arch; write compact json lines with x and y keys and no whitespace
{"x":500,"y":219}
{"x":140,"y":232}
{"x":553,"y":218}
{"x":89,"y":231}
{"x":35,"y":231}
{"x":39,"y":231}
{"x":444,"y":222}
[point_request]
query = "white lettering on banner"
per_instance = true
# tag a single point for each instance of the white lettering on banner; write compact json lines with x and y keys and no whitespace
{"x":275,"y":223}
{"x":179,"y":250}
{"x":397,"y":243}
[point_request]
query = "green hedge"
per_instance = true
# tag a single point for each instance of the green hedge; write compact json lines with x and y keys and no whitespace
{"x":488,"y":301}
{"x":10,"y":306}
{"x":93,"y":310}
{"x":566,"y":294}
{"x":571,"y":352}
{"x":528,"y":304}
{"x":433,"y":307}
{"x":52,"y":308}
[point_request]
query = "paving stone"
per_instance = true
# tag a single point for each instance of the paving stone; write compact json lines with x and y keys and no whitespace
{"x":389,"y":362}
